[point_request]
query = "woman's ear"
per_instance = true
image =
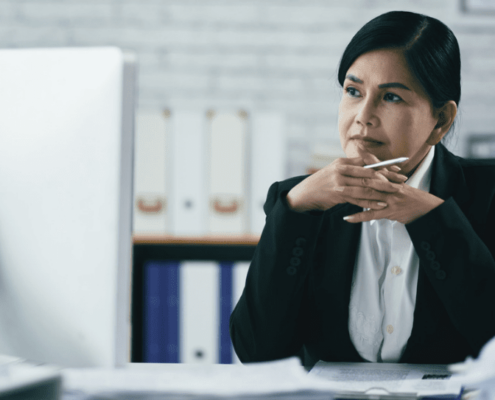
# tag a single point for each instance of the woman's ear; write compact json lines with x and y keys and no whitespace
{"x":445,"y":118}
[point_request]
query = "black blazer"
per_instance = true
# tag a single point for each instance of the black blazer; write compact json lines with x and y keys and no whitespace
{"x":298,"y":286}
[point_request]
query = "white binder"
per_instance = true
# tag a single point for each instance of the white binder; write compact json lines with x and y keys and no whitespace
{"x":268,"y":159}
{"x":199,"y":312}
{"x":188,"y":184}
{"x":227,"y":173}
{"x":238,"y":282}
{"x":150,"y":202}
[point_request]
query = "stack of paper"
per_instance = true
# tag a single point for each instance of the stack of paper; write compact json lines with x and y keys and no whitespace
{"x":284,"y":379}
{"x":361,"y":380}
{"x":479,"y":373}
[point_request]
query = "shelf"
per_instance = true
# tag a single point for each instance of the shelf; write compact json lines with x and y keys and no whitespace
{"x":242,"y":240}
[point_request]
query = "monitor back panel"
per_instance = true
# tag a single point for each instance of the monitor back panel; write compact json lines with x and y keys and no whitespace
{"x":66,"y":142}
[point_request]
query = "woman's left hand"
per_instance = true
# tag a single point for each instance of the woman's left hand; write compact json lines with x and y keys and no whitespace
{"x":404,"y":206}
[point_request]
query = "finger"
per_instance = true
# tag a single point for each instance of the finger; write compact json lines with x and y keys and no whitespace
{"x":357,"y":161}
{"x":367,"y":157}
{"x":393,"y":176}
{"x":382,"y":174}
{"x":359,"y":193}
{"x":359,"y":172}
{"x":364,"y":216}
{"x":394,"y":168}
{"x":382,"y":185}
{"x":379,"y":185}
{"x":371,"y":204}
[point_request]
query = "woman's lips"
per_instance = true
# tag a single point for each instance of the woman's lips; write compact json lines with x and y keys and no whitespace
{"x":366,"y":142}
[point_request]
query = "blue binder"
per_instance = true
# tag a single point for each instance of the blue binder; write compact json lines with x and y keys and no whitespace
{"x":162,"y":312}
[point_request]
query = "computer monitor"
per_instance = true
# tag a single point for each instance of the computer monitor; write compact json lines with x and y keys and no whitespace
{"x":66,"y":165}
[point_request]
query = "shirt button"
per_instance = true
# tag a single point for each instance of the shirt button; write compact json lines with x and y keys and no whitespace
{"x":396,"y":270}
{"x":390,"y":328}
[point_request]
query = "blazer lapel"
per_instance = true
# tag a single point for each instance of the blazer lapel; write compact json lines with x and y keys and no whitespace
{"x":334,"y":265}
{"x":447,"y":180}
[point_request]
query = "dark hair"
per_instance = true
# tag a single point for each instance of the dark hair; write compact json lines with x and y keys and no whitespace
{"x":429,"y":46}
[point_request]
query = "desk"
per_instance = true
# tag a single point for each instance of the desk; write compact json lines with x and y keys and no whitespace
{"x":182,"y":367}
{"x":218,"y":373}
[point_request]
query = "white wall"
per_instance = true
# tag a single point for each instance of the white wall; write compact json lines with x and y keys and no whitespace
{"x":277,"y":55}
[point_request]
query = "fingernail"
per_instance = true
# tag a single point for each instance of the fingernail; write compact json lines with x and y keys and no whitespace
{"x":338,"y":189}
{"x":395,"y":168}
{"x":348,"y":218}
{"x":381,"y":204}
{"x":403,"y":177}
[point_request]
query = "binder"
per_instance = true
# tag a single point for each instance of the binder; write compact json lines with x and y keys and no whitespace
{"x":239,"y":275}
{"x":150,"y":202}
{"x":187,"y":154}
{"x":199,"y":312}
{"x":225,"y":309}
{"x":268,"y":160}
{"x":161,"y":312}
{"x":227,"y":172}
{"x":187,"y":310}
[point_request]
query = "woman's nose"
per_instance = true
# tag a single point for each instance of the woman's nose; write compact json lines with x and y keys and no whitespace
{"x":366,"y":115}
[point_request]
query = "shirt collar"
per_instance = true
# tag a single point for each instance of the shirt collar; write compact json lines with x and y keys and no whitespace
{"x":421,"y":178}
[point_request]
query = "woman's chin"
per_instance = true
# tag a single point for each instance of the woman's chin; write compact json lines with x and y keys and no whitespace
{"x":353,"y":151}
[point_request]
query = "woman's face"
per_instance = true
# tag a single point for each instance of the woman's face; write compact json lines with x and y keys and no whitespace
{"x":385,"y":111}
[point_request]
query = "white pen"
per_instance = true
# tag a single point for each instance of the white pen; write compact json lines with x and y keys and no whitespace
{"x":387,"y":162}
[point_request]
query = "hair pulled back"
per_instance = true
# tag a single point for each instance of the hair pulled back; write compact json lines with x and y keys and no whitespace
{"x":429,"y":46}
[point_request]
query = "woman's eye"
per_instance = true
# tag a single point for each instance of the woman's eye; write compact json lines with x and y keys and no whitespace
{"x":353,"y":92}
{"x":393,"y":98}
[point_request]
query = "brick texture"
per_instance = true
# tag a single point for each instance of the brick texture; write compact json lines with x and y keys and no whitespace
{"x":277,"y":55}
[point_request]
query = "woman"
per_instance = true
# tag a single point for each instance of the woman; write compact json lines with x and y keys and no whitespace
{"x":390,"y":265}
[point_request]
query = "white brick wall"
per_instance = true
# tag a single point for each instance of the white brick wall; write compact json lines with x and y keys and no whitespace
{"x":252,"y":54}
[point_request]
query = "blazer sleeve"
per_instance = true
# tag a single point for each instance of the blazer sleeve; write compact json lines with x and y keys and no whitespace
{"x":268,"y":320}
{"x":456,"y":247}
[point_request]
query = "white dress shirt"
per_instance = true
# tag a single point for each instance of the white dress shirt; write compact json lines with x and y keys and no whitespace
{"x":384,"y":284}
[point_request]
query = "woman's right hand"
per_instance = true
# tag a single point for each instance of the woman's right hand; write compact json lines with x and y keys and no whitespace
{"x":323,"y":190}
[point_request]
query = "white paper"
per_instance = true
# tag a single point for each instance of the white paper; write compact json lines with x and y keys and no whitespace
{"x":419,"y":379}
{"x":479,"y":373}
{"x":285,"y":376}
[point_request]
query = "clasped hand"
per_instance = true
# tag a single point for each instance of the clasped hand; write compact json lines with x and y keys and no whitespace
{"x":382,"y":192}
